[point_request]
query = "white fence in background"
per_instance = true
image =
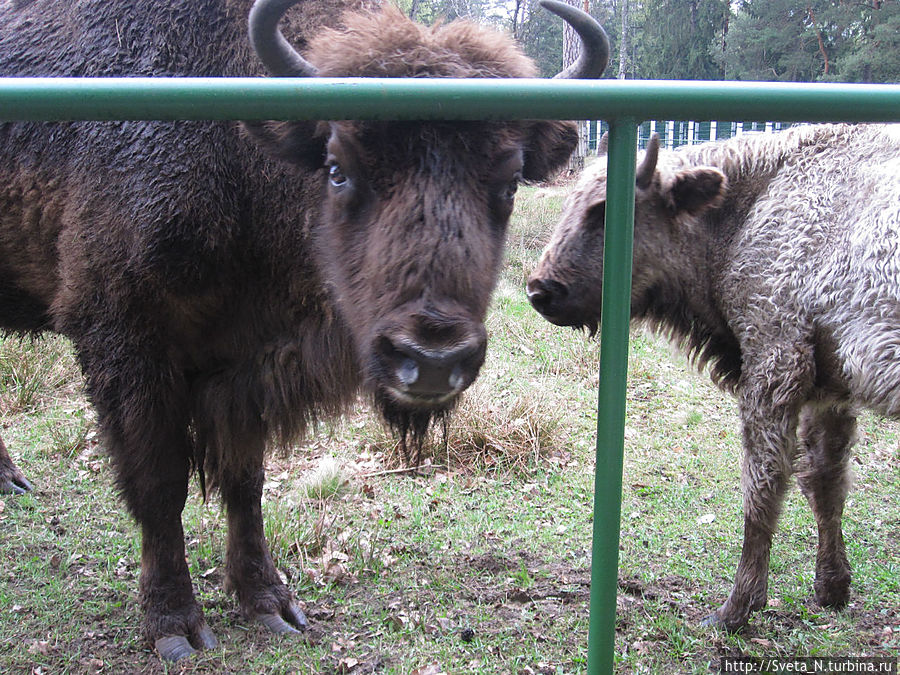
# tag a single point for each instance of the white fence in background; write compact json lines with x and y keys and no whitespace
{"x":675,"y":133}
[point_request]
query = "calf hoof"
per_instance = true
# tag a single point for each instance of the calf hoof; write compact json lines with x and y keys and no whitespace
{"x":716,"y":620}
{"x":832,"y":593}
{"x":174,"y":648}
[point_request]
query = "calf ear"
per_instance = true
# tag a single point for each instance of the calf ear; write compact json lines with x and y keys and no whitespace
{"x":548,"y":146}
{"x":299,"y":143}
{"x":696,"y":190}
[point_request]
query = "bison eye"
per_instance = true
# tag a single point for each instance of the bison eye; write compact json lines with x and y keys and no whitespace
{"x":336,"y":176}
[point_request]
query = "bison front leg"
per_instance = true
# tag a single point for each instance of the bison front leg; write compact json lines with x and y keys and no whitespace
{"x":827,"y":435}
{"x":250,"y":571}
{"x":142,"y":413}
{"x":11,"y":479}
{"x":155,"y":490}
{"x":771,"y":396}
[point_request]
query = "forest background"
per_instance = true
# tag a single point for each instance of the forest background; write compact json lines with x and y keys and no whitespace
{"x":769,"y":40}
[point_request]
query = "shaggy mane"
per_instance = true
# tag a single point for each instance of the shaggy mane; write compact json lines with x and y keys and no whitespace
{"x":386,"y":43}
{"x":760,"y":154}
{"x":707,"y":341}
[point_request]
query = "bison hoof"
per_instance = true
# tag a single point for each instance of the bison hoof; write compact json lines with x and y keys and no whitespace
{"x":16,"y":484}
{"x":177,"y":647}
{"x":293,"y":621}
{"x":174,"y":648}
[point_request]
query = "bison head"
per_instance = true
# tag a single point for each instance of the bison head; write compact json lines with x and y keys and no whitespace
{"x":414,"y":214}
{"x":566,"y":287}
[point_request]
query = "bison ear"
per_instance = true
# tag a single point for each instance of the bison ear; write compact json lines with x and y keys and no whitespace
{"x":696,"y":190}
{"x":299,"y":143}
{"x":547,"y":148}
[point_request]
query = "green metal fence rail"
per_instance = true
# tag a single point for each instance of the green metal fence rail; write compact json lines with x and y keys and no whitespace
{"x":356,"y":98}
{"x":624,"y":104}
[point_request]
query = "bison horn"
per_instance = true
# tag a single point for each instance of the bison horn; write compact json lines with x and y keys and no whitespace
{"x":273,"y":50}
{"x":595,"y":43}
{"x":644,"y":174}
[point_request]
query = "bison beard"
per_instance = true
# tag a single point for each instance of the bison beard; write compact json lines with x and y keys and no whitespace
{"x":412,"y":426}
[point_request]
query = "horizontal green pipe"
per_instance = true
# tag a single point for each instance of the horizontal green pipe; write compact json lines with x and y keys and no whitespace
{"x":45,"y":99}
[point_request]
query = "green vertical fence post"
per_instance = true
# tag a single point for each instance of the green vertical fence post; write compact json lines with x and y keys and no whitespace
{"x":616,"y":312}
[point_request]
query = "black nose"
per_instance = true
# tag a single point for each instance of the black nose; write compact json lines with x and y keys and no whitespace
{"x":545,"y":294}
{"x":431,"y":373}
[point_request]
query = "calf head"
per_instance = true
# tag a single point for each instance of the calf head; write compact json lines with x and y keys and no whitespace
{"x":414,"y":213}
{"x":566,"y":287}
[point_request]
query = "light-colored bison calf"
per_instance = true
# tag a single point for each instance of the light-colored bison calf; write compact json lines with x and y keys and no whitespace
{"x":775,"y":260}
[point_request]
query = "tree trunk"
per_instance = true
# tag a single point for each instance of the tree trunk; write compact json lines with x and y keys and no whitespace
{"x":515,"y":19}
{"x":812,"y":19}
{"x":571,"y":51}
{"x":623,"y":42}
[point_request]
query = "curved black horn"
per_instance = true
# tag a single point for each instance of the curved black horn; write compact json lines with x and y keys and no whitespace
{"x":273,"y":50}
{"x":595,"y":43}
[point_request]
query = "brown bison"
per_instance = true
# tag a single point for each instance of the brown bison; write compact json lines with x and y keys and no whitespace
{"x":218,"y":299}
{"x":774,"y":259}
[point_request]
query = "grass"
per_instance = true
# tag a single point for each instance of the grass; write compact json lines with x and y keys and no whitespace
{"x":478,"y":565}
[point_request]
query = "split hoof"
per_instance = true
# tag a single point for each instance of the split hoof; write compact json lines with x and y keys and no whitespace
{"x":293,"y":621}
{"x":17,"y":485}
{"x":711,"y":621}
{"x":174,"y":648}
{"x":206,"y":639}
{"x":714,"y":620}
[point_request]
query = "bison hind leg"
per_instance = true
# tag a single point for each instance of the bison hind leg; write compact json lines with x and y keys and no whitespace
{"x":827,"y":435}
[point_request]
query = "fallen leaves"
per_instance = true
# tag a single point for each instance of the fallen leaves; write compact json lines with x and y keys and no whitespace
{"x":431,"y":669}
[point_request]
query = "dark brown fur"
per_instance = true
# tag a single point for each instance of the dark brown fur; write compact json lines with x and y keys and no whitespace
{"x":219,"y":300}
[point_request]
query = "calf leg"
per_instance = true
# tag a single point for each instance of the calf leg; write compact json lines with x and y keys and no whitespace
{"x":827,"y":435}
{"x":770,"y":400}
{"x":250,"y":571}
{"x":765,"y":480}
{"x":11,"y":479}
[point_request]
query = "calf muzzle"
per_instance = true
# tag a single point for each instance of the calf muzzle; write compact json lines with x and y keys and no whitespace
{"x":547,"y":296}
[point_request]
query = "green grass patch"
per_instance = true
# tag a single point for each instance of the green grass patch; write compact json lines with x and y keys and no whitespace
{"x":480,"y":564}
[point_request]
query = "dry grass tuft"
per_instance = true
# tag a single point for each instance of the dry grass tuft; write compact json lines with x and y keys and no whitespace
{"x":510,"y":434}
{"x":326,"y":481}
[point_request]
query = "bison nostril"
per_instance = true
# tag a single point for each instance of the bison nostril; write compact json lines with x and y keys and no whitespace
{"x":457,"y":378}
{"x":408,"y":372}
{"x":539,"y":298}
